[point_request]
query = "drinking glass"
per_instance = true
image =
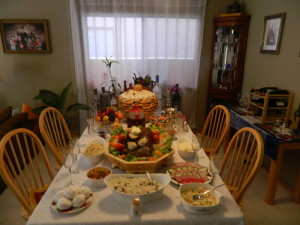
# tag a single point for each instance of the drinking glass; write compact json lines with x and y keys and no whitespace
{"x":216,"y":164}
{"x":91,"y":126}
{"x":282,"y":125}
{"x":74,"y":145}
{"x":196,"y":147}
{"x":68,"y":161}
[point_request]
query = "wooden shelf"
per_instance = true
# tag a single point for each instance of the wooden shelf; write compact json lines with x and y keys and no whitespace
{"x":265,"y":111}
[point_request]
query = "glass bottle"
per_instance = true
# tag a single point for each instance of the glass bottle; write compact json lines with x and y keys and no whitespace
{"x":176,"y":99}
{"x":113,"y":101}
{"x":297,"y":112}
{"x":158,"y":91}
{"x":125,"y":86}
{"x":95,"y":100}
{"x":296,"y":120}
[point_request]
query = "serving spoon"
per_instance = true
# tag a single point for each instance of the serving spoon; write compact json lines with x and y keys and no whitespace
{"x":150,"y":178}
{"x":200,"y":196}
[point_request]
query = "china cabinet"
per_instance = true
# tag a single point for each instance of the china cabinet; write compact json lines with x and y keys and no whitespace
{"x":227,"y":60}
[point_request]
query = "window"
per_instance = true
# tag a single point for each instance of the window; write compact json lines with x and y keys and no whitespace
{"x":173,"y":38}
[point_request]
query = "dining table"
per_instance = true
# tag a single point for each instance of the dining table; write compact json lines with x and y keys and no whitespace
{"x":104,"y":209}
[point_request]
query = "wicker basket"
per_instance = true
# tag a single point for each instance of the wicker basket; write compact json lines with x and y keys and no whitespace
{"x":141,"y":166}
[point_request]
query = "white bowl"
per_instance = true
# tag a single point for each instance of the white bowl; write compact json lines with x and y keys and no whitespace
{"x":98,"y":182}
{"x":184,"y":153}
{"x":94,"y":159}
{"x":163,"y":179}
{"x":199,"y":209}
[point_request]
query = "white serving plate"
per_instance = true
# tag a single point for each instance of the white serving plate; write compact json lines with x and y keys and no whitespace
{"x":87,"y":203}
{"x":163,"y":179}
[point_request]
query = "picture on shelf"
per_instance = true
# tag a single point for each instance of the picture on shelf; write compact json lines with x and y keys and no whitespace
{"x":25,"y":36}
{"x":273,"y":28}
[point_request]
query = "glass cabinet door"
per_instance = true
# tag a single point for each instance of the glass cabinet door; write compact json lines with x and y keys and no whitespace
{"x":225,"y":57}
{"x":227,"y":60}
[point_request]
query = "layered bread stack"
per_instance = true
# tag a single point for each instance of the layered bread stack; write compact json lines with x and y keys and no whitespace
{"x":145,"y":99}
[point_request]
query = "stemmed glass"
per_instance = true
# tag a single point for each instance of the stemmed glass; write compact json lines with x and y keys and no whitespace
{"x":195,"y":146}
{"x":74,"y":145}
{"x":68,"y":161}
{"x":216,"y":164}
{"x":282,"y":125}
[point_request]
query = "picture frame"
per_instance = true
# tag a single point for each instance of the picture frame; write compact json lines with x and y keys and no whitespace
{"x":272,"y":33}
{"x":25,"y":36}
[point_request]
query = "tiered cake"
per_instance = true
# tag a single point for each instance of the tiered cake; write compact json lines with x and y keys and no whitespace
{"x":145,"y":99}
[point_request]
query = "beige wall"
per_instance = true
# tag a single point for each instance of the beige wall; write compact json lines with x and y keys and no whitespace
{"x":23,"y":75}
{"x":261,"y":70}
{"x":283,"y":70}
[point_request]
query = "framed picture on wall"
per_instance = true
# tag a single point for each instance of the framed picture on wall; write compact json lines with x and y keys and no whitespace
{"x":272,"y":34}
{"x":25,"y":36}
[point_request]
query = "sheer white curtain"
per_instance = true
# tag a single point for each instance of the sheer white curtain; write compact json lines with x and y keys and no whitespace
{"x":145,"y":37}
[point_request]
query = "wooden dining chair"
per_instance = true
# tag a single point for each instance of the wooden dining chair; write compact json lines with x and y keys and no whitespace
{"x":241,"y":161}
{"x":25,"y":168}
{"x":55,"y":131}
{"x":216,"y":130}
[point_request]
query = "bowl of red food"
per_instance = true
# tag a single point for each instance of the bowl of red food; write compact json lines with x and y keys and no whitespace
{"x":96,"y":176}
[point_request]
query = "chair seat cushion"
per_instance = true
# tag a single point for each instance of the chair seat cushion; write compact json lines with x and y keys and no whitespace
{"x":36,"y":194}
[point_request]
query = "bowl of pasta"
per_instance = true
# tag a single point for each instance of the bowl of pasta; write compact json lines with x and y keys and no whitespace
{"x":209,"y":203}
{"x":94,"y":150}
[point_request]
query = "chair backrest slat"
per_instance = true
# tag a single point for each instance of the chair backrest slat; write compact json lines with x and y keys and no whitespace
{"x":215,"y":130}
{"x":24,"y":165}
{"x":54,"y":130}
{"x":242,"y":160}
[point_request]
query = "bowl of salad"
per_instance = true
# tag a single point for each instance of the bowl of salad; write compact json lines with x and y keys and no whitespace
{"x":139,"y":149}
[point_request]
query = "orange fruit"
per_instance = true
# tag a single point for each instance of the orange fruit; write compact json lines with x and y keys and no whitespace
{"x":138,"y":87}
{"x":120,"y":116}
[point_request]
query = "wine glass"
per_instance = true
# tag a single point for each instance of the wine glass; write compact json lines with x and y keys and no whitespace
{"x":196,"y":146}
{"x":215,"y":164}
{"x":68,"y":161}
{"x":282,"y":125}
{"x":75,"y":148}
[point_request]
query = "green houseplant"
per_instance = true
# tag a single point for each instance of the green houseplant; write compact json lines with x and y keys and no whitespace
{"x":108,"y":63}
{"x":58,"y":101}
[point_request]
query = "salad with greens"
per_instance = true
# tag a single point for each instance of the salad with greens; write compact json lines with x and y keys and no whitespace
{"x":139,"y":143}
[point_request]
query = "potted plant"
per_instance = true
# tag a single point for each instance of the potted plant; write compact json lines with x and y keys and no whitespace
{"x":113,"y":81}
{"x":58,"y":101}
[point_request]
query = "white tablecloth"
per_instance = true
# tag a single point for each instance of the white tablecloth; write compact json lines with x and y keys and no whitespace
{"x":106,"y":210}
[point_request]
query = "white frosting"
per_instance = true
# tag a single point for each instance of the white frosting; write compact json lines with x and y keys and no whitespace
{"x":78,"y":200}
{"x":142,"y":142}
{"x":63,"y":203}
{"x":86,"y":191}
{"x":58,"y":195}
{"x":71,"y":192}
{"x":137,"y":95}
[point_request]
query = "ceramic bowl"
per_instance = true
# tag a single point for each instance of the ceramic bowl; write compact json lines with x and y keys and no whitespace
{"x":185,"y":148}
{"x":163,"y":179}
{"x":96,"y":176}
{"x":199,"y":209}
{"x":95,"y":158}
